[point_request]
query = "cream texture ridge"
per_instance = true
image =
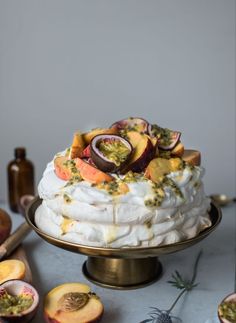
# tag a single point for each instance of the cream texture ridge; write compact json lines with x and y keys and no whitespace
{"x":160,"y":204}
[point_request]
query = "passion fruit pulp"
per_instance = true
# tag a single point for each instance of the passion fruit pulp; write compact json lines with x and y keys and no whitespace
{"x":110,"y":152}
{"x":131,"y":124}
{"x":18,"y":301}
{"x":167,"y":139}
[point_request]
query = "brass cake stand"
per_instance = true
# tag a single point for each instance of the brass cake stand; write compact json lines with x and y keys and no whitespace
{"x":122,"y":268}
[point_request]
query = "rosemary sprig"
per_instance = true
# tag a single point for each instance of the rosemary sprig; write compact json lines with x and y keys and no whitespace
{"x":164,"y":316}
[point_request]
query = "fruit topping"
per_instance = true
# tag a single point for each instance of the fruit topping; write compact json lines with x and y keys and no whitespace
{"x":159,"y":167}
{"x":227,"y":309}
{"x":193,"y":157}
{"x":110,"y":152}
{"x":86,"y":152}
{"x":18,"y":301}
{"x":76,"y":170}
{"x":77,"y":146}
{"x":131,"y":124}
{"x":72,"y":302}
{"x":90,"y":173}
{"x":5,"y":225}
{"x":167,"y":139}
{"x":66,"y":168}
{"x":88,"y":136}
{"x":143,"y":152}
{"x":178,"y":151}
{"x":11,"y":269}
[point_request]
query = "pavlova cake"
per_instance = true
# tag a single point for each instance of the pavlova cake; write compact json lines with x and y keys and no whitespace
{"x":130,"y":185}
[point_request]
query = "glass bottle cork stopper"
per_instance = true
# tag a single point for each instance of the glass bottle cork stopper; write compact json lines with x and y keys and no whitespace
{"x":20,"y":152}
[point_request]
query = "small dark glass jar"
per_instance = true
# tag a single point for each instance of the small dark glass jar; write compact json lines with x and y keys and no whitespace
{"x":20,"y":173}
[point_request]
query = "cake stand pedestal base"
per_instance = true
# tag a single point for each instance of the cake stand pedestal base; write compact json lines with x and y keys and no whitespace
{"x":118,"y":273}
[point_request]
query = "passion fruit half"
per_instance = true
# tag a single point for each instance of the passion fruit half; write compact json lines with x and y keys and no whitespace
{"x":110,"y":152}
{"x":167,"y":139}
{"x":131,"y":124}
{"x":18,"y":301}
{"x":227,"y":309}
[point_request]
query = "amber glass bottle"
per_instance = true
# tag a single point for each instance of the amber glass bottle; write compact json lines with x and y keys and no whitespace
{"x":20,"y":178}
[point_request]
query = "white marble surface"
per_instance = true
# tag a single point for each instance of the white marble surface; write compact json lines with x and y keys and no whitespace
{"x":52,"y":266}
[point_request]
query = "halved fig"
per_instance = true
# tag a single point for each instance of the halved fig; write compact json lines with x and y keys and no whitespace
{"x":167,"y":139}
{"x":131,"y":124}
{"x":18,"y":301}
{"x":144,"y":151}
{"x":110,"y":152}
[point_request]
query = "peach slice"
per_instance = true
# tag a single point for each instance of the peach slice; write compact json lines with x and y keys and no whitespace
{"x":11,"y":269}
{"x":77,"y":146}
{"x":62,"y":167}
{"x":72,"y":303}
{"x":65,"y":169}
{"x":143,"y":152}
{"x":86,"y":152}
{"x":5,"y":225}
{"x":88,"y":136}
{"x":178,"y":151}
{"x":90,"y":173}
{"x":158,"y":167}
{"x":193,"y":157}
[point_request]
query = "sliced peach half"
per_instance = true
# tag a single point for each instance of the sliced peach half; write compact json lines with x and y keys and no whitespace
{"x":86,"y":152}
{"x":11,"y":269}
{"x":193,"y":157}
{"x":65,"y":169}
{"x":90,"y":173}
{"x":72,"y":303}
{"x":77,"y":146}
{"x":159,"y":167}
{"x":143,"y":151}
{"x":178,"y":151}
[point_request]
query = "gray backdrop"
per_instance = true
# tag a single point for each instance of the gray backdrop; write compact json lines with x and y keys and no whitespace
{"x":69,"y":64}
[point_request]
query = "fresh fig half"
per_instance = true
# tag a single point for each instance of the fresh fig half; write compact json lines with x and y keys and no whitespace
{"x":131,"y":124}
{"x":24,"y":304}
{"x":110,"y":152}
{"x":167,"y":139}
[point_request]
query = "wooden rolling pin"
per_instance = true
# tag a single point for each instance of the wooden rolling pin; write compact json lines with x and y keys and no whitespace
{"x":13,"y":241}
